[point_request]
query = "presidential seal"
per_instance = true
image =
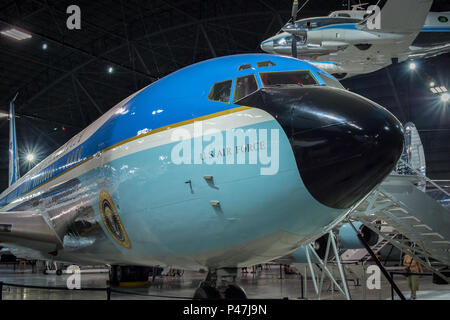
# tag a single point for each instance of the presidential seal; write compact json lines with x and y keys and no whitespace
{"x":111,"y":220}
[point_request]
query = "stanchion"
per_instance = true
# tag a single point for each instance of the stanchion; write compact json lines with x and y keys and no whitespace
{"x":392,"y":288}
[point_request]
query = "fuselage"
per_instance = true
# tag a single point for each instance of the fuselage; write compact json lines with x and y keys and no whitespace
{"x":146,"y":185}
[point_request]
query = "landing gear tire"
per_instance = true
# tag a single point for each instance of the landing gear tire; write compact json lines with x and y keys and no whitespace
{"x":207,"y":293}
{"x":234,"y":292}
{"x":115,"y":275}
{"x":129,"y":274}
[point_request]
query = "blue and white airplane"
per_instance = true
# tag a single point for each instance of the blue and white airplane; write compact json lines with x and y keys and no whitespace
{"x":157,"y":179}
{"x":351,"y":42}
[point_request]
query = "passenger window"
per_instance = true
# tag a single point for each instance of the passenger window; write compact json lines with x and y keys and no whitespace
{"x":301,"y":78}
{"x":245,"y":86}
{"x":221,"y":91}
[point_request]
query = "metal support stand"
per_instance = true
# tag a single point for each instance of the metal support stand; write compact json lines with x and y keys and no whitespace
{"x":323,"y":264}
{"x":301,"y":287}
{"x":379,"y":264}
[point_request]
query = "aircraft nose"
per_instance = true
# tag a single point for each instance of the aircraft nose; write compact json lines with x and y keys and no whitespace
{"x":344,"y":144}
{"x":267,"y":46}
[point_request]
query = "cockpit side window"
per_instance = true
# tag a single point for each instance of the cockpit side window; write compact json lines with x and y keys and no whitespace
{"x":301,"y":78}
{"x":221,"y":91}
{"x":331,"y":82}
{"x":268,"y":63}
{"x":245,"y":86}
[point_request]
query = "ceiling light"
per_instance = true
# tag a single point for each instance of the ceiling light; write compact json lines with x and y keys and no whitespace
{"x":445,"y":97}
{"x":30,"y":157}
{"x":16,"y":34}
{"x":44,"y":46}
{"x":412,"y":66}
{"x":110,"y":70}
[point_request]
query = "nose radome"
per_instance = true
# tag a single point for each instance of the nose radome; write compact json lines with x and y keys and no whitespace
{"x":344,"y":144}
{"x":267,"y":46}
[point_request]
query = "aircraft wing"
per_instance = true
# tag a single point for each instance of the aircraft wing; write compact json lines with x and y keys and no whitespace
{"x":28,"y":229}
{"x":429,"y":52}
{"x":402,"y":16}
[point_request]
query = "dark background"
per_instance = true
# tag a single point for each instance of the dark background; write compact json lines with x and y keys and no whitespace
{"x":66,"y":87}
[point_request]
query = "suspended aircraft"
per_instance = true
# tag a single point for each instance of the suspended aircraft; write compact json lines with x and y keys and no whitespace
{"x":351,"y":42}
{"x":157,"y":181}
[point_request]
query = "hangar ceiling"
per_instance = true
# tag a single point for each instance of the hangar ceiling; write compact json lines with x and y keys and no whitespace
{"x":67,"y":86}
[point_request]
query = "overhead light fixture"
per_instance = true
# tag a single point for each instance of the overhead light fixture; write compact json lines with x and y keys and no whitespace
{"x":445,"y":97}
{"x":110,"y":69}
{"x":439,"y":90}
{"x":30,"y":157}
{"x":44,"y":46}
{"x":432,"y":84}
{"x":412,"y":66}
{"x":16,"y":34}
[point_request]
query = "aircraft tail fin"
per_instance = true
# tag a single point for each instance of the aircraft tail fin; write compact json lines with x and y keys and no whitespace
{"x":13,"y":153}
{"x":401,"y":16}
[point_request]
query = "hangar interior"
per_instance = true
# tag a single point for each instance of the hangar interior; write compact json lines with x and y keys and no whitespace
{"x":66,"y":79}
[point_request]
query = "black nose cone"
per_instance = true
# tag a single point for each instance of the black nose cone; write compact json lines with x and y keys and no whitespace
{"x":344,"y":144}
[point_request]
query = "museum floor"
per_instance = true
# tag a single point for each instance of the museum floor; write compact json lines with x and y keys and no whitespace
{"x":265,"y":284}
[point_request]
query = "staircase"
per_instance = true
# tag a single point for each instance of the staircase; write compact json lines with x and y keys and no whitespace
{"x":415,"y":218}
{"x":361,"y":255}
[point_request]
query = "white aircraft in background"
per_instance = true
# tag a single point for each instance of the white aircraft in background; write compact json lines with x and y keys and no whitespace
{"x":352,"y":42}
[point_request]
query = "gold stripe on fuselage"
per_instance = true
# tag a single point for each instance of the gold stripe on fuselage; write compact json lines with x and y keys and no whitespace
{"x":168,"y":127}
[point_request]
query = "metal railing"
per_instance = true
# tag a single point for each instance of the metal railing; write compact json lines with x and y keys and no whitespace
{"x":107,"y":289}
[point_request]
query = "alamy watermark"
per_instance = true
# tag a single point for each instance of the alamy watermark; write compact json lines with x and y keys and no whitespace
{"x":73,"y":22}
{"x":74,"y":280}
{"x":373,"y":281}
{"x":230,"y":147}
{"x":374,"y":20}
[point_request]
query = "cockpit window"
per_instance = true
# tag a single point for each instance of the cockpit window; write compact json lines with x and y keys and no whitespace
{"x":331,"y":82}
{"x":301,"y":78}
{"x":221,"y":91}
{"x":266,"y":64}
{"x":245,"y":86}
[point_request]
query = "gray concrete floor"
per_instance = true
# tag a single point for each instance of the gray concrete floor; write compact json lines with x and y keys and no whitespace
{"x":264,"y":284}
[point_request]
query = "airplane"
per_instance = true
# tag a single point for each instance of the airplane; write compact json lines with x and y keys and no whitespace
{"x":117,"y":193}
{"x":345,"y":43}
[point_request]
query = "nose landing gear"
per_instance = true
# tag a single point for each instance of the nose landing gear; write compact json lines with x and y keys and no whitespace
{"x":220,"y":284}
